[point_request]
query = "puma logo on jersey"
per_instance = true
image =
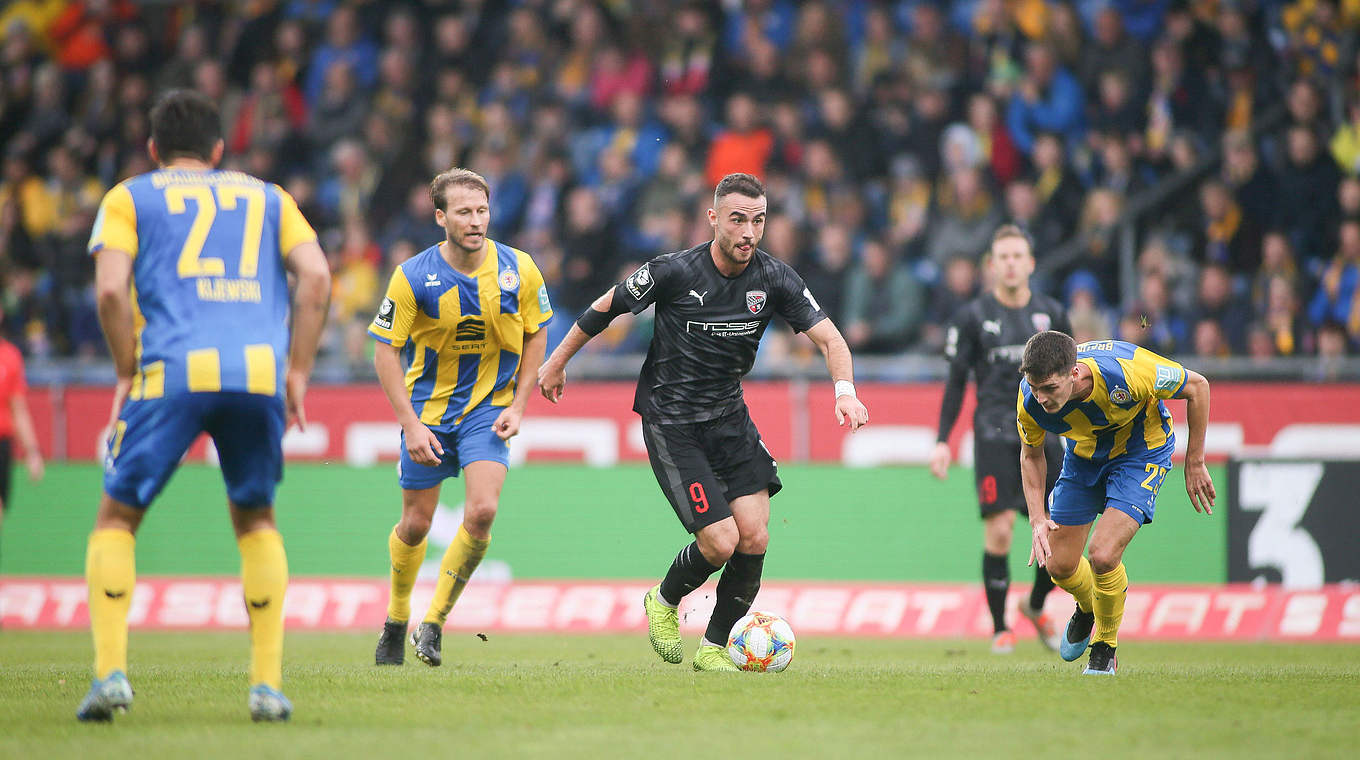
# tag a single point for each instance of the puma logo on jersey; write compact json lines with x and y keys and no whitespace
{"x":699,"y":297}
{"x":992,"y":326}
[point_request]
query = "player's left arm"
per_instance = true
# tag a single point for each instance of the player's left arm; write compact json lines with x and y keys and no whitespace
{"x":1198,"y":484}
{"x":841,"y":366}
{"x":23,"y":428}
{"x":113,"y":297}
{"x":537,"y":311}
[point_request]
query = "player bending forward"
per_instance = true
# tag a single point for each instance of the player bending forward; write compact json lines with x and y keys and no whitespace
{"x":713,"y":302}
{"x":1105,"y":396}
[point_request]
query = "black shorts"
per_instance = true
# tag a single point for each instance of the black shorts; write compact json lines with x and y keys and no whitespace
{"x":996,"y":473}
{"x":6,"y":462}
{"x":702,"y":466}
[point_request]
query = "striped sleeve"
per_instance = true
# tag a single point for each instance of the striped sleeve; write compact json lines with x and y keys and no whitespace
{"x":533,"y":296}
{"x":1030,"y":432}
{"x":396,"y":313}
{"x":1153,"y":376}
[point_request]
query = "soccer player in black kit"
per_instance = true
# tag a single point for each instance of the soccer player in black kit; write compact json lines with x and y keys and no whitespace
{"x":713,"y":302}
{"x":987,"y":337}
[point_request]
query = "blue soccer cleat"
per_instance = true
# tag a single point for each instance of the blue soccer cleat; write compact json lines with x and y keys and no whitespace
{"x":1102,"y":662}
{"x":1078,"y":635}
{"x":112,"y":694}
{"x":268,"y":704}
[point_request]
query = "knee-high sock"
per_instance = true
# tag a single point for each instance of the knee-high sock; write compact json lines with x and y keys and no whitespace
{"x":461,"y":559}
{"x":1043,"y":583}
{"x":1081,"y":585}
{"x":1111,"y":589}
{"x":996,"y":582}
{"x":406,"y":561}
{"x":737,"y":589}
{"x":264,"y":580}
{"x":688,"y":571}
{"x":110,"y":573}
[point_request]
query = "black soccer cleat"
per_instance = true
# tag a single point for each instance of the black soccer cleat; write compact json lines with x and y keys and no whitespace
{"x":1102,"y":662}
{"x":427,"y":639}
{"x":1078,"y":635}
{"x":392,"y":644}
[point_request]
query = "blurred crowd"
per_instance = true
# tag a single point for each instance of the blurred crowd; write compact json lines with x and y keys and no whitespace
{"x":893,"y":137}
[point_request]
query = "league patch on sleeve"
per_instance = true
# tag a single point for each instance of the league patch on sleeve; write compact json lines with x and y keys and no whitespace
{"x":385,"y":311}
{"x":1168,"y":378}
{"x":544,"y":305}
{"x":640,"y":282}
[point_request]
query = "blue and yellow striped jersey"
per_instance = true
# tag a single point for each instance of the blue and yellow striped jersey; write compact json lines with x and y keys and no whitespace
{"x":209,"y":290}
{"x":461,"y":336}
{"x":1124,"y":414}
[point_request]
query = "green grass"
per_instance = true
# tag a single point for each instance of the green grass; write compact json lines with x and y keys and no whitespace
{"x":607,"y":696}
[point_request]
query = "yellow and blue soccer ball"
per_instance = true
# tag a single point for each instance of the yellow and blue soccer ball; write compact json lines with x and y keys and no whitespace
{"x":761,"y":642}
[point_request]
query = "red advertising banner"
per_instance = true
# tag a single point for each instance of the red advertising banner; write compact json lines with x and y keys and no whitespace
{"x":595,"y":423}
{"x":1233,"y":612}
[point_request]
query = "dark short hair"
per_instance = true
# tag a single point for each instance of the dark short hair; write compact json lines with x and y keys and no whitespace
{"x":1047,"y":354}
{"x":740,"y":184}
{"x":185,"y":123}
{"x":456,"y":176}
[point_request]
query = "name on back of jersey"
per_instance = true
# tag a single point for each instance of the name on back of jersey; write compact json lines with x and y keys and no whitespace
{"x":229,"y":290}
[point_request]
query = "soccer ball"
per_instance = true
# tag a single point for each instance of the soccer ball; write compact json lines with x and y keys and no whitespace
{"x":761,"y":642}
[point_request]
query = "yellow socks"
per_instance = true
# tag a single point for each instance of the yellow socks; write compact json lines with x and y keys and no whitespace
{"x":110,"y":573}
{"x":1081,"y":585}
{"x":460,"y":560}
{"x":1111,"y":589}
{"x":264,"y":579}
{"x":406,"y":561}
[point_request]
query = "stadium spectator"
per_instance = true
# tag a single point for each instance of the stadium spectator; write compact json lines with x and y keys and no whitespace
{"x":1046,"y":99}
{"x":883,"y":302}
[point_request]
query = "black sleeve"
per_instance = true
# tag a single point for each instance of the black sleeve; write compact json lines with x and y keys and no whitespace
{"x":960,"y":346}
{"x":642,"y":288}
{"x":795,"y":303}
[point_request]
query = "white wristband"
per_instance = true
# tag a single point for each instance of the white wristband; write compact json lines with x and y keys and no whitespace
{"x":845,"y":388}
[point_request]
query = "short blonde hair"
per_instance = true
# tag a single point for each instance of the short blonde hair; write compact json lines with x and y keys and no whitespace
{"x":1010,"y":231}
{"x":456,"y":176}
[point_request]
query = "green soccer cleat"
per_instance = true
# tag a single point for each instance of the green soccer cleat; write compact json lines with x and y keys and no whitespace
{"x":714,"y":657}
{"x":268,"y":705}
{"x":113,"y":694}
{"x":663,"y":626}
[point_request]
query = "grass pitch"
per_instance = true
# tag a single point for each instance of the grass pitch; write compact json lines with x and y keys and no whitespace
{"x":608,"y":696}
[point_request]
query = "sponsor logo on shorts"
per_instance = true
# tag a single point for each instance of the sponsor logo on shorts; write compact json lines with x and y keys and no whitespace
{"x":385,"y":311}
{"x":640,"y":282}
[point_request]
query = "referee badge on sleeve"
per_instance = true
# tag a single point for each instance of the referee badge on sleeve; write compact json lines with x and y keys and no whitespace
{"x":385,"y":311}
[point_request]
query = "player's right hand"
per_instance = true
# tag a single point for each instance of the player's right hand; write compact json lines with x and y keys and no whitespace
{"x":423,"y":445}
{"x":939,"y":460}
{"x":1039,"y":548}
{"x":552,"y":380}
{"x":295,"y":388}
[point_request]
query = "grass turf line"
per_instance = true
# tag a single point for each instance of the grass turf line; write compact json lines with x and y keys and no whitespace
{"x":608,"y":696}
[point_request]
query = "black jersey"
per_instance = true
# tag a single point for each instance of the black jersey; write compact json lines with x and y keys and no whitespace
{"x":989,"y":340}
{"x":708,"y":328}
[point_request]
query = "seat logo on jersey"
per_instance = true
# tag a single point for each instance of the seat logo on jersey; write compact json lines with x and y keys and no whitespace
{"x":639,"y":282}
{"x":1120,"y":395}
{"x":432,"y":280}
{"x":470,"y":329}
{"x":509,"y":280}
{"x":385,"y":311}
{"x":755,"y":300}
{"x":1042,"y":322}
